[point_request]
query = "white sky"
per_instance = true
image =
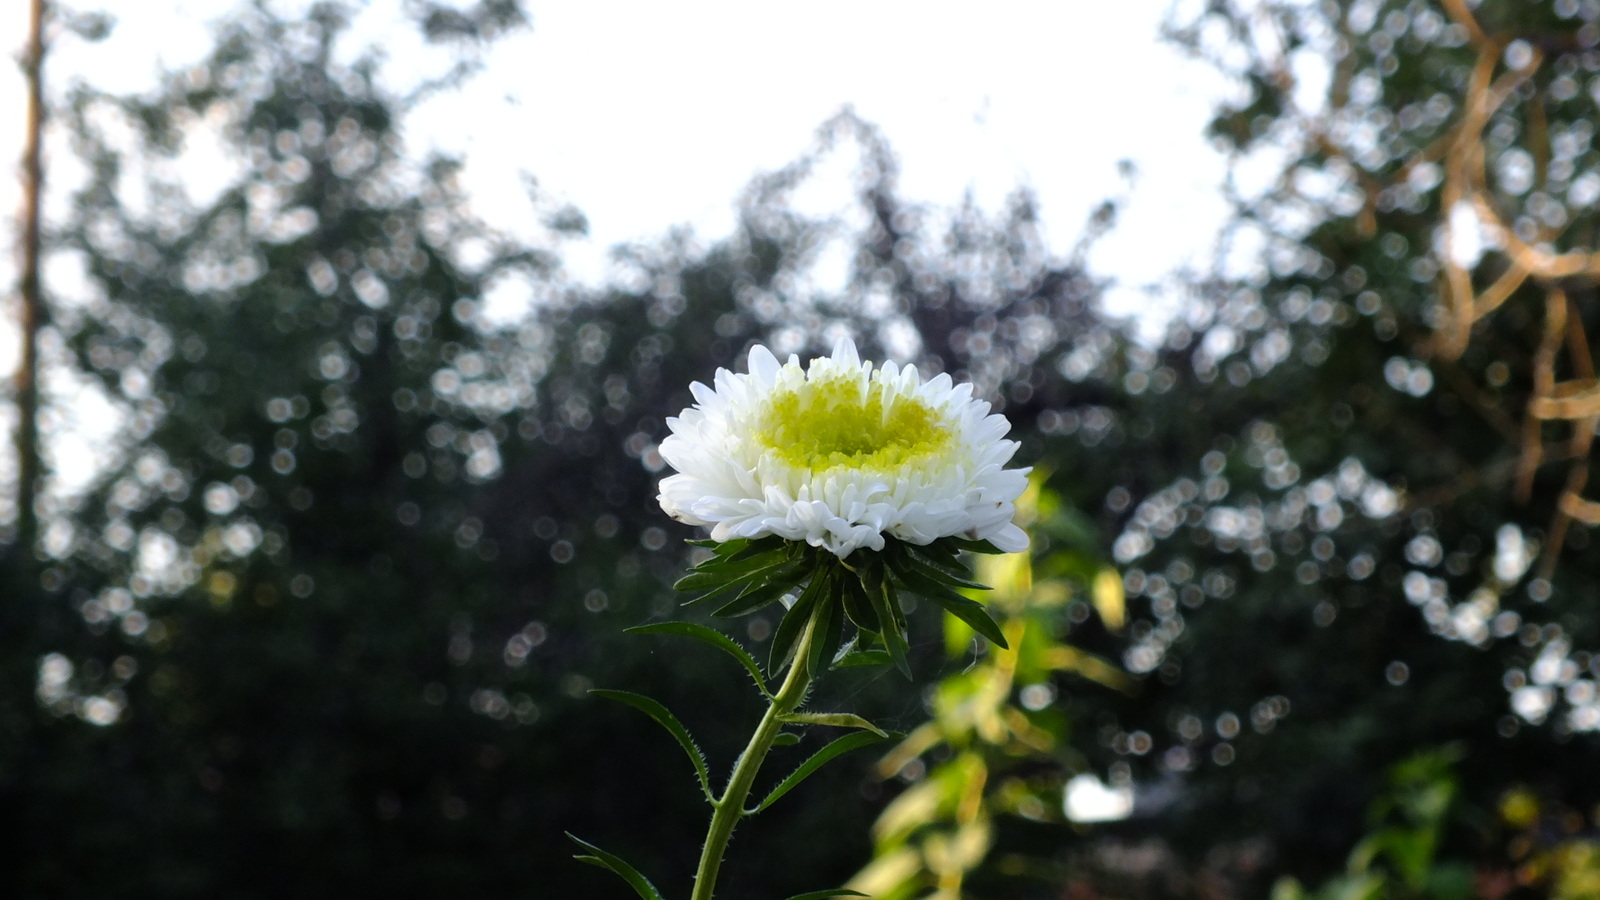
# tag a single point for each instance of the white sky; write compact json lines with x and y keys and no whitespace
{"x":646,"y":115}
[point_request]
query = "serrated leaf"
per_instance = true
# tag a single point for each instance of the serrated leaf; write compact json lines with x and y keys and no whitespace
{"x":667,"y":720}
{"x":823,"y":895}
{"x":836,"y":720}
{"x":597,"y":857}
{"x":818,"y":760}
{"x":710,"y":636}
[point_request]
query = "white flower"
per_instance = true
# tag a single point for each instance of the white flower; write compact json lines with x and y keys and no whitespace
{"x":841,"y":455}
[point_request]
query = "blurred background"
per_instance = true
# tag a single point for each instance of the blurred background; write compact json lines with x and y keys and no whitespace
{"x":342,"y":337}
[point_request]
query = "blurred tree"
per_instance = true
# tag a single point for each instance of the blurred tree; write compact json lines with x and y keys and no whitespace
{"x":328,"y":613}
{"x":1344,"y":489}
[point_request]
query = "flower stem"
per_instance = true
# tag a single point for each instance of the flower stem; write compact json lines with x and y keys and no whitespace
{"x":729,"y":808}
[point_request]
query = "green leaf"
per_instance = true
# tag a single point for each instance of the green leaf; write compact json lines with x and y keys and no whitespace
{"x":786,"y":739}
{"x":823,"y":895}
{"x":668,"y":721}
{"x":710,"y":636}
{"x":818,"y":760}
{"x":836,"y":720}
{"x":597,"y":857}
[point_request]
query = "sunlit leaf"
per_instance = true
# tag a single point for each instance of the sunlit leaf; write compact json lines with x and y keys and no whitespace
{"x":837,"y":720}
{"x":1109,"y":599}
{"x":822,"y":895}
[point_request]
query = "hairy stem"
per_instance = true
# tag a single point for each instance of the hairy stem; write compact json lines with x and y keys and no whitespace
{"x":729,"y":808}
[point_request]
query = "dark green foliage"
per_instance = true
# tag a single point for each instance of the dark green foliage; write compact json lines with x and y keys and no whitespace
{"x":860,"y":589}
{"x":404,"y":540}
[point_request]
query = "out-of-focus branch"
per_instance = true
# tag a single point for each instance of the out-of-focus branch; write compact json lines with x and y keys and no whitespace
{"x":31,"y":316}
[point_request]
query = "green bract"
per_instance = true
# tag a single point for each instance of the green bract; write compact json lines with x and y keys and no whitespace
{"x":862,"y":589}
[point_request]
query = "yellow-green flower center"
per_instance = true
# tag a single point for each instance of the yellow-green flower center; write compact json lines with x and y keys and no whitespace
{"x":828,"y":423}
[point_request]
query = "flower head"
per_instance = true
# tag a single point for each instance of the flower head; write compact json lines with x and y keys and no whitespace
{"x":842,"y":455}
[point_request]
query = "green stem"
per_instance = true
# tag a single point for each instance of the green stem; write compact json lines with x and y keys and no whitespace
{"x":729,"y":809}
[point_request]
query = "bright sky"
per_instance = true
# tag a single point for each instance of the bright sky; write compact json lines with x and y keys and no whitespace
{"x":646,"y":115}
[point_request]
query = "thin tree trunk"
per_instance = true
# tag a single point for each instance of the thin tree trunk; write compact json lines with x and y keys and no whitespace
{"x":32,"y":314}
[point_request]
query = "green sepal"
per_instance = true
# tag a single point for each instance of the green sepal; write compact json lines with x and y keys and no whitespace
{"x":835,"y":720}
{"x":856,"y":604}
{"x":967,"y":610}
{"x":597,"y":857}
{"x":887,"y":605}
{"x":670,"y":722}
{"x":850,"y":659}
{"x":818,"y":760}
{"x":794,"y":621}
{"x":777,"y":582}
{"x":714,"y":638}
{"x":932,"y":568}
{"x":829,"y":624}
{"x":715,"y":586}
{"x":861,"y":650}
{"x":941,"y":551}
{"x":735,"y":546}
{"x":718,"y":571}
{"x":972,"y":546}
{"x":823,"y":895}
